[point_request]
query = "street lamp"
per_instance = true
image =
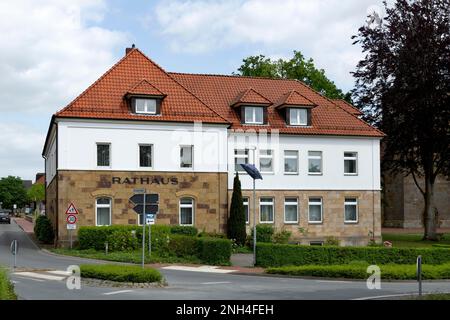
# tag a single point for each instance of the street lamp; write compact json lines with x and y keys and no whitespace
{"x":255,"y":174}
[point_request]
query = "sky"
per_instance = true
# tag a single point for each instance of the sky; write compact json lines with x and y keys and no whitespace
{"x":51,"y":50}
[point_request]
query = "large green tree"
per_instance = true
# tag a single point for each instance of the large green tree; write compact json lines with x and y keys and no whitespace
{"x":298,"y":67}
{"x":236,"y":220}
{"x":12,"y":191}
{"x":36,"y":193}
{"x":403,"y":83}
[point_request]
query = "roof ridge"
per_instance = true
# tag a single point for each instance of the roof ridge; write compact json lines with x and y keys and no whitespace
{"x":333,"y":103}
{"x":229,"y":76}
{"x":258,"y":93}
{"x":148,"y":82}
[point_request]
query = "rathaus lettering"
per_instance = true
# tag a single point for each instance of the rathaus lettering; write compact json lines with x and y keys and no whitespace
{"x":145,"y":180}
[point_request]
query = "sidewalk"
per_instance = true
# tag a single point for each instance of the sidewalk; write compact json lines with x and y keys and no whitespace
{"x":25,"y":225}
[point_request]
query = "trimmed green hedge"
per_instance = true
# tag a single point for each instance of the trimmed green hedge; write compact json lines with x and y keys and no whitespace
{"x":277,"y":255}
{"x":6,"y":287}
{"x":214,"y":251}
{"x":120,"y":273}
{"x":359,"y":271}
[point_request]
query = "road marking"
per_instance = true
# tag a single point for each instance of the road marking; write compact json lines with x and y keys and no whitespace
{"x":60,"y":272}
{"x":386,"y":296}
{"x":211,"y":269}
{"x":39,"y":276}
{"x":218,"y":282}
{"x":37,"y":280}
{"x":117,"y":292}
{"x":333,"y":281}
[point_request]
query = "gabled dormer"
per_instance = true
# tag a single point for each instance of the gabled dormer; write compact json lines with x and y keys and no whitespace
{"x":145,"y":99}
{"x":296,"y":108}
{"x":252,"y":107}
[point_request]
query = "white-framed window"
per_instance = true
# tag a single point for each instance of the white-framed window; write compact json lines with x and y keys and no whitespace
{"x":298,"y":117}
{"x":146,"y":106}
{"x":266,"y":210}
{"x":103,"y":154}
{"x":290,"y":161}
{"x":186,"y":211}
{"x":186,"y":156}
{"x":350,"y":163}
{"x":290,"y":210}
{"x":315,"y":210}
{"x":240,"y":157}
{"x":266,"y":161}
{"x":314,"y":162}
{"x":351,"y":210}
{"x":254,"y":115}
{"x":103,"y":211}
{"x":145,"y":155}
{"x":246,"y":210}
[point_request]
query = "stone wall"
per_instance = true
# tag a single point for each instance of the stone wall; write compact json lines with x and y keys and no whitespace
{"x":333,"y":225}
{"x":83,"y":187}
{"x":51,"y":204}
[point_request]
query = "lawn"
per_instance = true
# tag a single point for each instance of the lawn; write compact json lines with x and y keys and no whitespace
{"x":414,"y":240}
{"x":6,"y":287}
{"x":125,"y":256}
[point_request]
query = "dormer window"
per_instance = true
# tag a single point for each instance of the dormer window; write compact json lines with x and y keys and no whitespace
{"x":145,"y":106}
{"x":298,"y":117}
{"x":253,"y":115}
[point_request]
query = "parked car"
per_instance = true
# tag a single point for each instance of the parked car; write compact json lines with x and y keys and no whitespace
{"x":4,"y":217}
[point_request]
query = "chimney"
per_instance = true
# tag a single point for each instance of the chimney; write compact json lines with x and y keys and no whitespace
{"x":127,"y":50}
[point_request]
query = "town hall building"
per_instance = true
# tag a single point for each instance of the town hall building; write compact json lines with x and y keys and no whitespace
{"x":184,"y":136}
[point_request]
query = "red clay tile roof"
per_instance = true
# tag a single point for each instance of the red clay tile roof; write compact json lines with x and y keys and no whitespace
{"x":207,"y":98}
{"x":250,"y":96}
{"x":104,"y":99}
{"x":293,"y":98}
{"x":327,"y":118}
{"x":145,"y":88}
{"x":347,"y":107}
{"x":41,"y":180}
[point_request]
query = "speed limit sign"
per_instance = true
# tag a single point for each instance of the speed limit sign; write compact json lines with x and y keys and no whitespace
{"x":71,"y":219}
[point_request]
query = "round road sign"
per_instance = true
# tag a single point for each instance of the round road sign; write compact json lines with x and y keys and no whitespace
{"x":71,"y":219}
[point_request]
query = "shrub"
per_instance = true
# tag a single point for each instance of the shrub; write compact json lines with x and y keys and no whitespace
{"x":43,"y":229}
{"x":359,"y":271}
{"x":332,"y":241}
{"x":6,"y":287}
{"x":183,"y":246}
{"x":274,"y":255}
{"x":120,"y":273}
{"x":184,"y":230}
{"x":281,"y":237}
{"x":212,"y":235}
{"x":122,"y":240}
{"x":236,"y":220}
{"x":264,"y":233}
{"x":214,"y":251}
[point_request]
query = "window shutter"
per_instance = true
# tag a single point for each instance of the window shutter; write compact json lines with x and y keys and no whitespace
{"x":158,"y":106}
{"x":308,"y":114}
{"x":265,"y":117}
{"x":287,"y":114}
{"x":242,"y":109}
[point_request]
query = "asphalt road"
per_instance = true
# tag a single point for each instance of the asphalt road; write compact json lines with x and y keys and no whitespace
{"x":182,"y":285}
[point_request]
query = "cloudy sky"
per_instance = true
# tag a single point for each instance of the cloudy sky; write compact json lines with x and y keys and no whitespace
{"x":51,"y":50}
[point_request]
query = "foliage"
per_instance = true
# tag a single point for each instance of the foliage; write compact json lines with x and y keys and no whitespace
{"x":236,"y":220}
{"x":183,"y":246}
{"x":215,"y":251}
{"x":298,"y":67}
{"x":122,"y":240}
{"x":359,"y":271}
{"x":273,"y":255}
{"x":120,"y":273}
{"x":212,"y":235}
{"x":403,"y":82}
{"x":264,"y":233}
{"x":12,"y":192}
{"x":36,"y":193}
{"x":43,"y":230}
{"x":332,"y":241}
{"x":6,"y":287}
{"x":281,"y":237}
{"x":184,"y":230}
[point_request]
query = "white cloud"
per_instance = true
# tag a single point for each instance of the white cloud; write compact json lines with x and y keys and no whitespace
{"x":321,"y":29}
{"x":51,"y":50}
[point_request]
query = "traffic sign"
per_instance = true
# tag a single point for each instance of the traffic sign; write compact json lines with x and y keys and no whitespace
{"x":71,"y":219}
{"x":71,"y":209}
{"x":150,"y":198}
{"x":149,"y":208}
{"x":71,"y":226}
{"x":14,"y":247}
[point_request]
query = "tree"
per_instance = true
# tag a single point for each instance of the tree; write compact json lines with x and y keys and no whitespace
{"x":36,"y":193}
{"x":12,"y":192}
{"x":404,"y":85}
{"x":295,"y":68}
{"x":236,"y":221}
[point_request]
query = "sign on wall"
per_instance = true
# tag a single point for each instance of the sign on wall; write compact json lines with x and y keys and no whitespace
{"x":71,"y":209}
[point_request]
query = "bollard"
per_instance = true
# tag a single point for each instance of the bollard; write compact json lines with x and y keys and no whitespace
{"x":419,"y":274}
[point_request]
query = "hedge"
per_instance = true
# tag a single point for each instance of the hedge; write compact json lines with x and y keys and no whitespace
{"x":359,"y":271}
{"x":43,"y":230}
{"x":6,"y":287}
{"x":120,"y":273}
{"x":277,"y":255}
{"x":215,"y":251}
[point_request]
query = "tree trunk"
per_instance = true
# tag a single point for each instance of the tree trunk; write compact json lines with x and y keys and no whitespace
{"x":429,"y":212}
